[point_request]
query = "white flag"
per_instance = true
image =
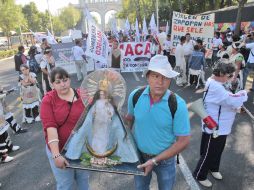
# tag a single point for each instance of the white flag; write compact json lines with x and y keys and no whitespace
{"x":152,"y":25}
{"x":114,"y":28}
{"x":51,"y":38}
{"x":97,"y":43}
{"x":88,"y":16}
{"x":144,"y":31}
{"x":127,"y":27}
{"x":38,"y":36}
{"x":167,"y":28}
{"x":137,"y":38}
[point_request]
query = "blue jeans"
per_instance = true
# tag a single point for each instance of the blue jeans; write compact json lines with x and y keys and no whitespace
{"x":248,"y":67}
{"x":165,"y":171}
{"x":65,"y":178}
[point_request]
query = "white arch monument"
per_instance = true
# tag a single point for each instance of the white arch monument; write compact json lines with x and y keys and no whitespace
{"x":101,"y":7}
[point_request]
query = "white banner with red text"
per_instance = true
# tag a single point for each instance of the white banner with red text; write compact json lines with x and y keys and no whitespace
{"x":136,"y":56}
{"x":97,"y":43}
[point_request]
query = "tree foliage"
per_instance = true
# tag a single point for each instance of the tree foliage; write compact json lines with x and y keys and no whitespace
{"x":145,"y":8}
{"x":70,"y":16}
{"x":33,"y":16}
{"x":38,"y":21}
{"x":11,"y":16}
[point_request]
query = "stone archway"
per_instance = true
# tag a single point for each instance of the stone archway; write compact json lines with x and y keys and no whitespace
{"x":101,"y":7}
{"x":109,"y":17}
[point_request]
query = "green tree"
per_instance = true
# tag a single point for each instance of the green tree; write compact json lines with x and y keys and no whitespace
{"x":45,"y":21}
{"x":166,"y":7}
{"x":70,"y":16}
{"x":58,"y":25}
{"x":33,"y":17}
{"x":10,"y":17}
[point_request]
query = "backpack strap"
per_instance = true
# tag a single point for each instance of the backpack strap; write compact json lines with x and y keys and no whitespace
{"x":172,"y":104}
{"x":137,"y":95}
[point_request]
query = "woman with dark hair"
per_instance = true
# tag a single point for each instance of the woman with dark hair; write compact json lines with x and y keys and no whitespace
{"x":58,"y":120}
{"x":47,"y":64}
{"x":222,"y":106}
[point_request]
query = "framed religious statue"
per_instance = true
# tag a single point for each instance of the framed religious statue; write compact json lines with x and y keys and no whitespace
{"x":100,"y":141}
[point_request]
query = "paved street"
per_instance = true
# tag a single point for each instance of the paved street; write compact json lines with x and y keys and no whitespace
{"x":30,"y":170}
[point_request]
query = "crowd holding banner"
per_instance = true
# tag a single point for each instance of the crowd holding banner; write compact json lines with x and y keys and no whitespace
{"x":193,"y":34}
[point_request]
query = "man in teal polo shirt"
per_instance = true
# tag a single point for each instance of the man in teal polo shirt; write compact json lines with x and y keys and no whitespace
{"x":159,"y":137}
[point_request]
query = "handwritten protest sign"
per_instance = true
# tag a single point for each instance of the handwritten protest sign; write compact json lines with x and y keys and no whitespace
{"x":136,"y":56}
{"x":199,"y":26}
{"x":97,"y":43}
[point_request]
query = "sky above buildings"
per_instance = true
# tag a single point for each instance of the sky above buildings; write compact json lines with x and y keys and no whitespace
{"x":54,"y":5}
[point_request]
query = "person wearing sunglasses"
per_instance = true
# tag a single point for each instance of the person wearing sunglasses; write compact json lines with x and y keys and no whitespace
{"x":222,"y":106}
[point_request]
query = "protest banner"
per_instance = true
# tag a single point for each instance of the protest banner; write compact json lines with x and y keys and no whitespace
{"x":97,"y":43}
{"x":136,"y":56}
{"x":199,"y":26}
{"x":64,"y":57}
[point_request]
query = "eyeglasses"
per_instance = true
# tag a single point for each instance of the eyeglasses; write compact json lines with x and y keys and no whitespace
{"x":64,"y":80}
{"x":229,"y":75}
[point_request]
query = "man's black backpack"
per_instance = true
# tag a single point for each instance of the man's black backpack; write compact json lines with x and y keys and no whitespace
{"x":18,"y":61}
{"x":34,"y":66}
{"x":172,"y":104}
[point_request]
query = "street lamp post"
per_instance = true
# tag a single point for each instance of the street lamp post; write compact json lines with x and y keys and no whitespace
{"x":157,"y":14}
{"x":50,"y":20}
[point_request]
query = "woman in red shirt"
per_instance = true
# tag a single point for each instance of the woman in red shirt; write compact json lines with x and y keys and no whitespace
{"x":58,"y":119}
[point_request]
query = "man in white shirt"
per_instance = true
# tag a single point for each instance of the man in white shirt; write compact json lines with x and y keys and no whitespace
{"x":167,"y":48}
{"x":180,"y":62}
{"x":80,"y":60}
{"x":188,"y":49}
{"x":250,"y":64}
{"x":217,"y":42}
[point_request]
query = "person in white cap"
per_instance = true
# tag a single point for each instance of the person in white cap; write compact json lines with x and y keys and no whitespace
{"x":159,"y":131}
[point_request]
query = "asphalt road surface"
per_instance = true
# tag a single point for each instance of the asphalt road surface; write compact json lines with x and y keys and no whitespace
{"x":31,"y":171}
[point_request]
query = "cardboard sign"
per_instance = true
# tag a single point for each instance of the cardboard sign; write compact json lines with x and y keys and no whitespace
{"x":199,"y":26}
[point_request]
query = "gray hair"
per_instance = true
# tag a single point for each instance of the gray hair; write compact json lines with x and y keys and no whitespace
{"x":223,"y":67}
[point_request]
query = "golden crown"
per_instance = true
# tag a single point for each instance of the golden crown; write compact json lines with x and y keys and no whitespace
{"x":104,"y":85}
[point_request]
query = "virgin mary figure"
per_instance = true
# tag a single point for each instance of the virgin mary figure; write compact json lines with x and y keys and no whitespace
{"x":102,"y":132}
